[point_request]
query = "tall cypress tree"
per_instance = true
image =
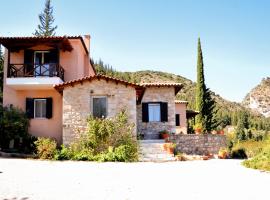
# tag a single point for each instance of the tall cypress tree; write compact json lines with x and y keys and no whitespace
{"x":200,"y":88}
{"x":46,"y":28}
{"x":205,"y":104}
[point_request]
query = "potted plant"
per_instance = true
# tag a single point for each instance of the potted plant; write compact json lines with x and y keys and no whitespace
{"x":198,"y":128}
{"x":164,"y":134}
{"x":223,"y":153}
{"x":170,"y":148}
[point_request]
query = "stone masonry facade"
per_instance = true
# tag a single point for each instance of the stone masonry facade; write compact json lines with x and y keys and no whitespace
{"x":77,"y":104}
{"x":157,"y":94}
{"x":199,"y":144}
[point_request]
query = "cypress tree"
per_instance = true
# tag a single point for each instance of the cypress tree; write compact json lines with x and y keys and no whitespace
{"x":205,"y":104}
{"x":200,"y":88}
{"x":46,"y":28}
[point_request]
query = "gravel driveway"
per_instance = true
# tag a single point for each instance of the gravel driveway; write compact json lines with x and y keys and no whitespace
{"x":214,"y":179}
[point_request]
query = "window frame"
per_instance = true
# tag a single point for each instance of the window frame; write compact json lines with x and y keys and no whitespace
{"x":44,"y":100}
{"x":154,"y":104}
{"x":92,"y":105}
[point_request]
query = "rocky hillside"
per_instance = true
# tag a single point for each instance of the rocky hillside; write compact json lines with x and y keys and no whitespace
{"x":258,"y":98}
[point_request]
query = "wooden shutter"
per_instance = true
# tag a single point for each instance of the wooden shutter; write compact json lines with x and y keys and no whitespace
{"x":48,"y":108}
{"x":145,"y":116}
{"x":177,"y":120}
{"x":29,"y":108}
{"x":29,"y":61}
{"x":164,"y":111}
{"x":53,"y":56}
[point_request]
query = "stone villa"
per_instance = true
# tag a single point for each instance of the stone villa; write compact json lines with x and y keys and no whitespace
{"x":53,"y":81}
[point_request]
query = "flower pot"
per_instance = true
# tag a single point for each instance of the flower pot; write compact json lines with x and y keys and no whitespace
{"x":198,"y":130}
{"x":164,"y":135}
{"x":170,"y":150}
{"x":222,"y":155}
{"x":221,"y":132}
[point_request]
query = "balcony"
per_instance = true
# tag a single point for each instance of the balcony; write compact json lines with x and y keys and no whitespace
{"x":29,"y":76}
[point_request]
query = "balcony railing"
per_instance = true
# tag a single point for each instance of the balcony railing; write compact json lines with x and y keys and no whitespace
{"x":29,"y":70}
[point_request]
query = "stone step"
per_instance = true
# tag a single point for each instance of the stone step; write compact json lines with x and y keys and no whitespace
{"x":152,"y":151}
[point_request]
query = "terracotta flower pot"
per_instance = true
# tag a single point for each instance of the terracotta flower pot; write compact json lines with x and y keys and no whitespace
{"x":198,"y":130}
{"x":170,"y":150}
{"x":165,"y":135}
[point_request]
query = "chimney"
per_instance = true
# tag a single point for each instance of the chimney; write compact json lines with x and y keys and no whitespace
{"x":86,"y":40}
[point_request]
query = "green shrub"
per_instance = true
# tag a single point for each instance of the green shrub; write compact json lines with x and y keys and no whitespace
{"x":239,"y":153}
{"x":13,"y":126}
{"x":46,"y":148}
{"x":105,"y":140}
{"x":260,"y":161}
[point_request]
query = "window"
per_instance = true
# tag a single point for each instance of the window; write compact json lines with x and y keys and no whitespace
{"x":39,"y":108}
{"x":177,"y":119}
{"x":154,"y":112}
{"x":99,"y":107}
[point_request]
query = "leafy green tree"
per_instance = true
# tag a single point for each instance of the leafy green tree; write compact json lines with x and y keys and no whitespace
{"x":205,"y":104}
{"x":46,"y":28}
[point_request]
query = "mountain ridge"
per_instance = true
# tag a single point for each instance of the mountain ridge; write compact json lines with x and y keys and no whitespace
{"x":258,"y":98}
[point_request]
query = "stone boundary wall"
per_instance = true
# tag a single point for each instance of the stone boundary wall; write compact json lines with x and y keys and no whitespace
{"x":199,"y":144}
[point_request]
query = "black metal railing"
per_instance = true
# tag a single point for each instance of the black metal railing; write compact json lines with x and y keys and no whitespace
{"x":30,"y":70}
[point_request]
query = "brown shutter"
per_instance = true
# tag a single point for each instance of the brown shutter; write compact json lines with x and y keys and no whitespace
{"x":29,"y":108}
{"x":29,"y":61}
{"x":177,"y":120}
{"x":48,"y":108}
{"x":145,"y":117}
{"x":164,"y":111}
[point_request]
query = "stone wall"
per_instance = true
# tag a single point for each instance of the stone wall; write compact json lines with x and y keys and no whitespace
{"x":199,"y":144}
{"x":77,"y":104}
{"x":150,"y":130}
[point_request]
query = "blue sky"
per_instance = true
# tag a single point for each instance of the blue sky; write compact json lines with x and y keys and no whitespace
{"x":162,"y":35}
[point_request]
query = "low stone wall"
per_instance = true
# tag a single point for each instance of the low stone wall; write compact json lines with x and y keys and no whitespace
{"x":199,"y":144}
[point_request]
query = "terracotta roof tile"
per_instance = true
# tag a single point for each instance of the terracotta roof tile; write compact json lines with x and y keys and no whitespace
{"x":98,"y":76}
{"x":161,"y":84}
{"x":180,"y":102}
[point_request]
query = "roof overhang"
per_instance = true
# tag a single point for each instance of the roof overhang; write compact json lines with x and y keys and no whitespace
{"x":177,"y":86}
{"x":191,"y":113}
{"x":139,"y":89}
{"x":15,"y":44}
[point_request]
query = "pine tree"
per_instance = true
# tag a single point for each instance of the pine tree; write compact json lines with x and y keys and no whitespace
{"x":46,"y":28}
{"x":205,"y":104}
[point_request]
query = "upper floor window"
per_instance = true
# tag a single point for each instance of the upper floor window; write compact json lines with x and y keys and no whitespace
{"x":99,"y":106}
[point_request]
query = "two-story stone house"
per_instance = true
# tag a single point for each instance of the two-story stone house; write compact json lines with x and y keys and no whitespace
{"x":53,"y":81}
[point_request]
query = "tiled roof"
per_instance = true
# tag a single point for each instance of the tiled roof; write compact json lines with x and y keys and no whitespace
{"x":98,"y":76}
{"x":177,"y":86}
{"x":180,"y":102}
{"x":139,"y":89}
{"x":42,"y":37}
{"x":16,"y":41}
{"x":161,"y":84}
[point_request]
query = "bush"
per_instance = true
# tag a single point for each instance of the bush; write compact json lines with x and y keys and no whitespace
{"x":239,"y":153}
{"x":13,"y":126}
{"x":260,"y":161}
{"x":46,"y":148}
{"x":105,"y":140}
